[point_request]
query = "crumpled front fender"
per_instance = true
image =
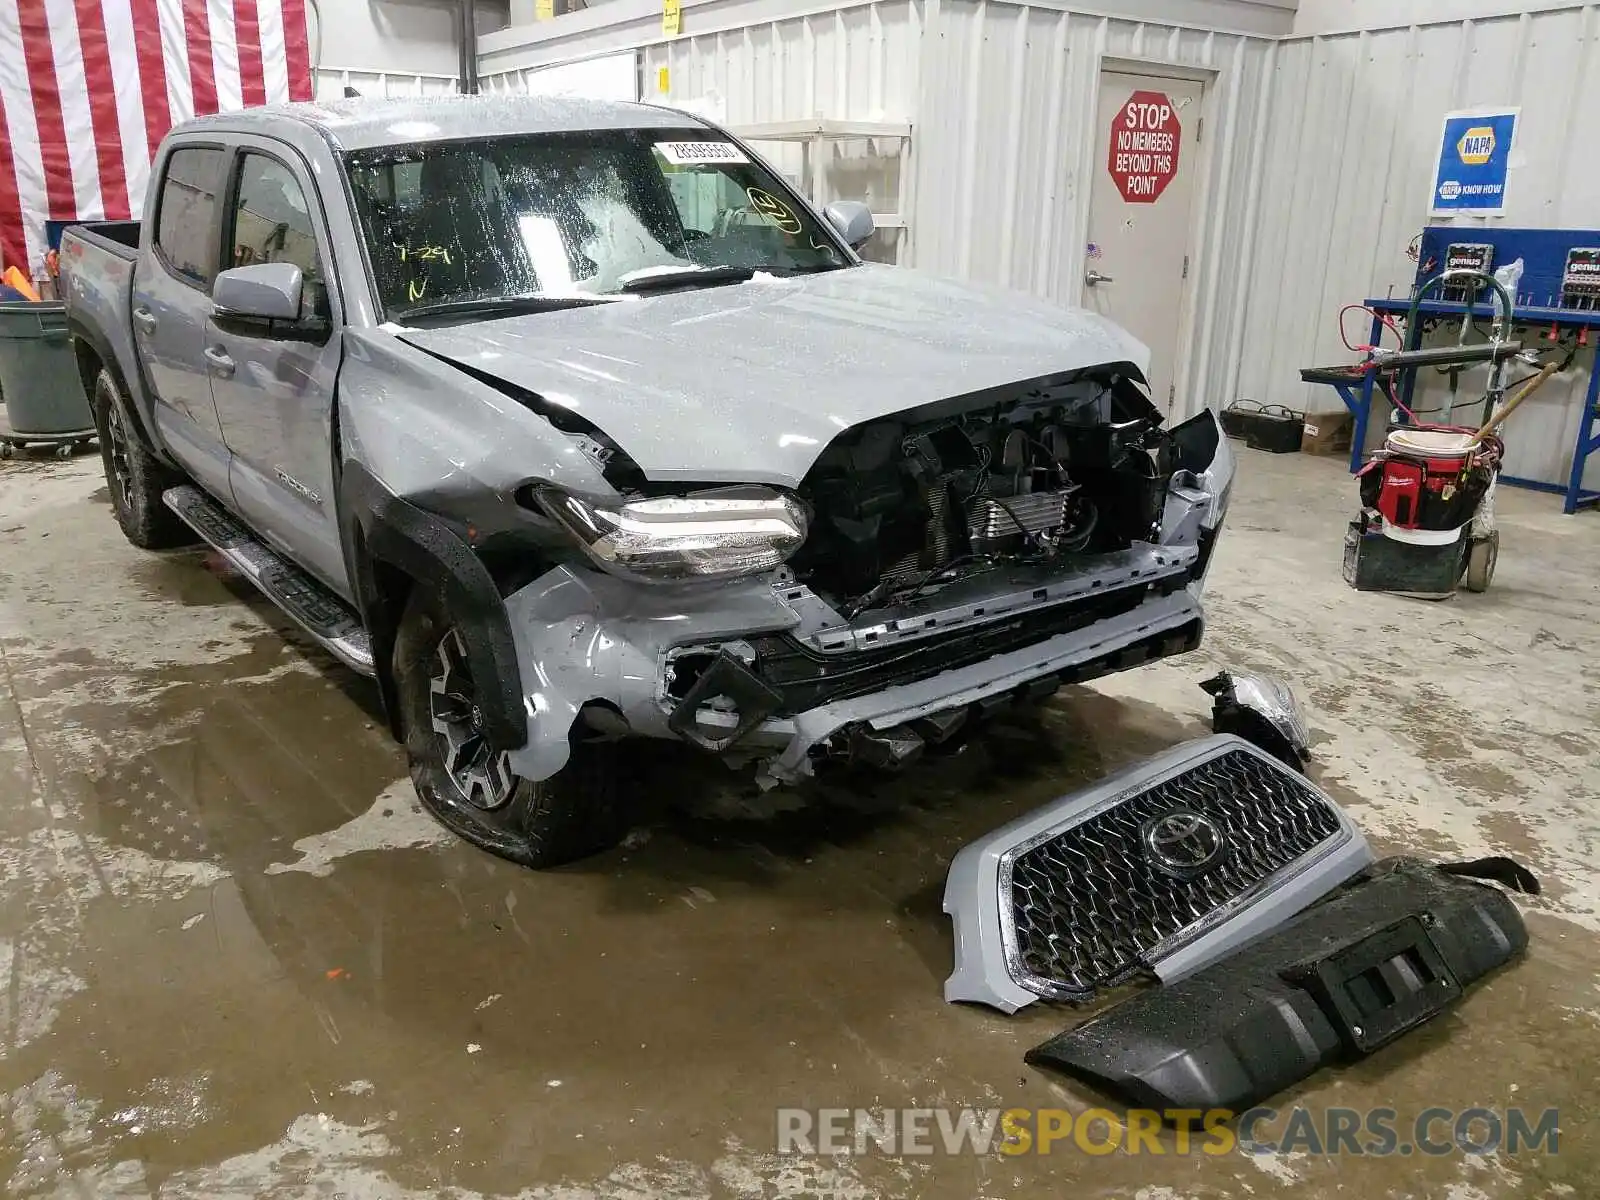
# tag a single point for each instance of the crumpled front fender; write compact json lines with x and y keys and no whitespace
{"x":584,"y":638}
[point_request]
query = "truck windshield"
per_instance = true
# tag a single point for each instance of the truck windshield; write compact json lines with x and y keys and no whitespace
{"x":572,"y":215}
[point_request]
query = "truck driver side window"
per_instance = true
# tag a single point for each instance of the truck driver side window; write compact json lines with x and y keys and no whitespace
{"x":188,"y":201}
{"x":272,"y":224}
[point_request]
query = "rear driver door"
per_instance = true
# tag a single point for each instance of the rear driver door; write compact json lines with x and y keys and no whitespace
{"x":172,"y":302}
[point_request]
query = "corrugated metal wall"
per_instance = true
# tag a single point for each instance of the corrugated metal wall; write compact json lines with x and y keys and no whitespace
{"x":857,"y":62}
{"x":1350,"y":149}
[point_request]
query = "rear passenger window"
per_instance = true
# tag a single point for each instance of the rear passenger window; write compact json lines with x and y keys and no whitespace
{"x":188,"y":201}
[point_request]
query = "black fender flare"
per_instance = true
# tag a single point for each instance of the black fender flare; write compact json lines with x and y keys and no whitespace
{"x":380,"y":527}
{"x":81,"y":331}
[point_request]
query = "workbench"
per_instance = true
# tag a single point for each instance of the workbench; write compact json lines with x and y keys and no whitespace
{"x":1356,"y":390}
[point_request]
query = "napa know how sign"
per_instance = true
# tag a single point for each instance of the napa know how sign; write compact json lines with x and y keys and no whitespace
{"x":1474,"y":156}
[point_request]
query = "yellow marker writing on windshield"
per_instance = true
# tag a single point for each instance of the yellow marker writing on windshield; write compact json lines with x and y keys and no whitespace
{"x":773,"y":209}
{"x":426,"y":254}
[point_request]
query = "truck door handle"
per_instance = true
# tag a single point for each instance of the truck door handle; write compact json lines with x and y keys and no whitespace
{"x":219,"y":361}
{"x":1092,"y":277}
{"x":144,"y":319}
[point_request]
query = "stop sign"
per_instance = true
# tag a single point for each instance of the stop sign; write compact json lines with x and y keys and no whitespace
{"x":1144,"y":147}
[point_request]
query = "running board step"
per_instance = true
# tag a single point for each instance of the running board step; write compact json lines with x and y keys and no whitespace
{"x":328,"y":619}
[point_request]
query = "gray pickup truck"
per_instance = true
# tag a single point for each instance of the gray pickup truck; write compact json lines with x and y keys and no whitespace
{"x":571,"y":422}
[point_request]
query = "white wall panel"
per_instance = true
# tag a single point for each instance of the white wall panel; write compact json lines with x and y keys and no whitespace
{"x":1347,"y":16}
{"x":857,"y":63}
{"x":1006,"y":158}
{"x":609,"y":77}
{"x":328,"y":83}
{"x":1353,"y":123}
{"x":393,"y":35}
{"x":630,"y":24}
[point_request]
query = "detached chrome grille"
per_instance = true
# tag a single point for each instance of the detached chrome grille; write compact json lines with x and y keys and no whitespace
{"x":1090,"y":905}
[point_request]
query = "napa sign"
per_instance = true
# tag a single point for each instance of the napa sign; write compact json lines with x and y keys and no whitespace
{"x":1474,"y":154}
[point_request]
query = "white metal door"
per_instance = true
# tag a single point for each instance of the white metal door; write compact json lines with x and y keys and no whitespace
{"x":1140,"y":207}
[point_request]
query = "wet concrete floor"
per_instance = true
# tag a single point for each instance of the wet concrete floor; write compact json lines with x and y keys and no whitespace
{"x":239,"y":961}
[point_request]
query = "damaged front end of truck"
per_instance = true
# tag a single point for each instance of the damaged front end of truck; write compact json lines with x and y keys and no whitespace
{"x":931,"y":567}
{"x":840,"y":517}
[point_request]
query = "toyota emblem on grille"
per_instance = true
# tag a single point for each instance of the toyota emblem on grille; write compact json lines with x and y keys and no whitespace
{"x":1183,"y":842}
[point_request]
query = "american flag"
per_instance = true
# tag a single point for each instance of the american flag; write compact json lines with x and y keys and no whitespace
{"x":89,"y":87}
{"x":154,"y":806}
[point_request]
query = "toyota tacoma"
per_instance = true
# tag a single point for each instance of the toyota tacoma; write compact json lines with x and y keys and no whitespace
{"x":571,"y":422}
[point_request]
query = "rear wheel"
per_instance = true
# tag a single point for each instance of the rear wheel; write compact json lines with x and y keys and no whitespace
{"x":467,"y":784}
{"x":135,"y":477}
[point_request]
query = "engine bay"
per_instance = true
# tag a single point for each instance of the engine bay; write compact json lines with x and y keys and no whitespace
{"x":902,"y":507}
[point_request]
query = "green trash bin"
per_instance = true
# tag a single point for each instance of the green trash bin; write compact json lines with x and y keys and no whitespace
{"x":39,"y":376}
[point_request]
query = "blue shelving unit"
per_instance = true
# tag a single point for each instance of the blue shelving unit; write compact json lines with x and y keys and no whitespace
{"x":1544,"y":257}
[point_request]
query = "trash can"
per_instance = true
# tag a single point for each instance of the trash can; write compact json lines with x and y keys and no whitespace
{"x":39,"y":375}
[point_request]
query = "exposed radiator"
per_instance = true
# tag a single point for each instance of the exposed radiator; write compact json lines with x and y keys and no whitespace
{"x":935,"y":550}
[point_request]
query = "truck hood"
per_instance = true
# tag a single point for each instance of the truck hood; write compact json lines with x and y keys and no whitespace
{"x":749,"y":382}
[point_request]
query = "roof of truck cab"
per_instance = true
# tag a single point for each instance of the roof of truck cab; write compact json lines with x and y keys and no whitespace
{"x":360,"y":123}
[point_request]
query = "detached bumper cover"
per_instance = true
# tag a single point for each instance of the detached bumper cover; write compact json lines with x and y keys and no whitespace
{"x":1162,"y":868}
{"x":1388,"y":952}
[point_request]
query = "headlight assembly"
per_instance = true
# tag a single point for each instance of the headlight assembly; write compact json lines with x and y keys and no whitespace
{"x":715,"y":534}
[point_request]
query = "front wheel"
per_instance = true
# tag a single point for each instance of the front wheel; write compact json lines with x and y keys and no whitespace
{"x":467,"y":784}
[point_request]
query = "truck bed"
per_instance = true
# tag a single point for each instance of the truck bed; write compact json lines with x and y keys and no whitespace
{"x":97,"y":268}
{"x":116,"y":237}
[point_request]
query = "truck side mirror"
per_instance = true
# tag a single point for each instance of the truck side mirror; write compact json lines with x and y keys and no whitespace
{"x":852,"y":219}
{"x":264,"y":291}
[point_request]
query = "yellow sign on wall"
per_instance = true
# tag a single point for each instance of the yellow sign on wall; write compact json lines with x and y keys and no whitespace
{"x":543,"y":10}
{"x":671,"y":18}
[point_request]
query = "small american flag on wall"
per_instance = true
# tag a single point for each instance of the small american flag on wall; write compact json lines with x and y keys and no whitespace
{"x":89,"y":87}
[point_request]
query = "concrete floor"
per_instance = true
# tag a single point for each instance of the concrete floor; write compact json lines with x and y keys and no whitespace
{"x":241,"y":962}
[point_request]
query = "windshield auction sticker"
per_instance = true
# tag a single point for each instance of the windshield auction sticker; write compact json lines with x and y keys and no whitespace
{"x":686,"y":154}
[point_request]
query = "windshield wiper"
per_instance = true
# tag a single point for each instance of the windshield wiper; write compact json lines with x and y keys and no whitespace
{"x":810,"y":269}
{"x":660,"y":280}
{"x":504,"y":305}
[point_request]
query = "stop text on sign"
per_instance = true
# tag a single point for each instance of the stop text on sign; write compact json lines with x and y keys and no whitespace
{"x":1145,"y":139}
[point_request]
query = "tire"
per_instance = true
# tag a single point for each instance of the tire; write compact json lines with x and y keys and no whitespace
{"x":1482,"y":555}
{"x":570,"y":816}
{"x":135,"y":477}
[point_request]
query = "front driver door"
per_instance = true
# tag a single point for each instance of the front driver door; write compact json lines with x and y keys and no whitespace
{"x":274,"y":392}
